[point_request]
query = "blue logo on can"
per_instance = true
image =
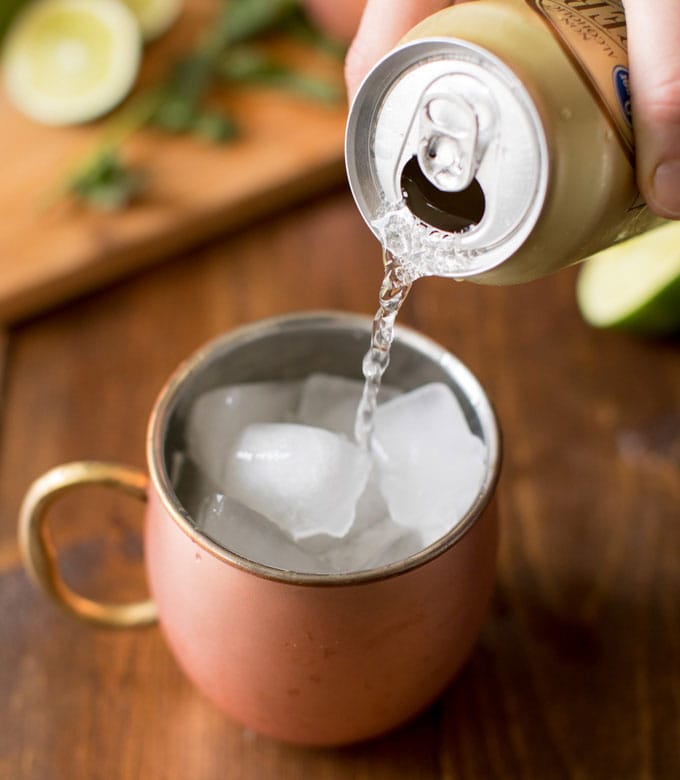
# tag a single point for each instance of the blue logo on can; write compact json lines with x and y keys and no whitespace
{"x":622,"y":89}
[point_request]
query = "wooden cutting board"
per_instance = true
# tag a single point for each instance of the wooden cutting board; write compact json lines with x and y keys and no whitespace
{"x":289,"y":148}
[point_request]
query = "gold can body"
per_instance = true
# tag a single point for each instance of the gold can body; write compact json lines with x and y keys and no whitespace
{"x":570,"y":60}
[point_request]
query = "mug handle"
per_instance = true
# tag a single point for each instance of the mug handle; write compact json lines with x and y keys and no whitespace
{"x":39,"y":554}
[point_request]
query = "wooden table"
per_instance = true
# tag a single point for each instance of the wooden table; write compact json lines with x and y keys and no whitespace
{"x":577,"y":672}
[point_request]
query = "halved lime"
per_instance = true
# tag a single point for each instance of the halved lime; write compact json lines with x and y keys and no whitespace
{"x":154,"y":16}
{"x":634,"y":285}
{"x":68,"y":61}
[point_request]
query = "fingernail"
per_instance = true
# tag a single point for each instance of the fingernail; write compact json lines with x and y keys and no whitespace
{"x":666,"y":188}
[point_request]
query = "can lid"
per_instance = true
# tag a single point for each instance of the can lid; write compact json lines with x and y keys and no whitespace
{"x":446,"y":157}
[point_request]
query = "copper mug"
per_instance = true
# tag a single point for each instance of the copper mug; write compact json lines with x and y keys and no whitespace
{"x":310,"y":659}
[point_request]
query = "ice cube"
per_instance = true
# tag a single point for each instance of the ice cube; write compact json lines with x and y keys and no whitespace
{"x":306,"y":480}
{"x":247,"y":533}
{"x":364,"y":547}
{"x":371,"y":506}
{"x":218,"y":416}
{"x":373,"y":540}
{"x":384,"y":542}
{"x":330,"y":402}
{"x":370,"y":509}
{"x":377,"y":540}
{"x":431,"y":465}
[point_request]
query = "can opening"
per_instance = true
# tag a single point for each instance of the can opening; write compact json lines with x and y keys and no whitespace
{"x":452,"y":212}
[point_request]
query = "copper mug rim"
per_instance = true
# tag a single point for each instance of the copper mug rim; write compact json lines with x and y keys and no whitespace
{"x":319,"y":320}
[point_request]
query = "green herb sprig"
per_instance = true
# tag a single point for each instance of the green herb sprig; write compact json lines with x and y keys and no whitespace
{"x":106,"y":183}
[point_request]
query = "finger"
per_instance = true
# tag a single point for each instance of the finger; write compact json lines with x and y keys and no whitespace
{"x":383,"y":23}
{"x":654,"y":55}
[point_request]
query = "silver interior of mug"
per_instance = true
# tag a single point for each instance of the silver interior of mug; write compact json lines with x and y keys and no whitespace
{"x":292,"y":347}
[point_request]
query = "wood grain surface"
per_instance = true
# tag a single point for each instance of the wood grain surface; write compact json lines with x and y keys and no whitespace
{"x":52,"y":249}
{"x":577,"y":671}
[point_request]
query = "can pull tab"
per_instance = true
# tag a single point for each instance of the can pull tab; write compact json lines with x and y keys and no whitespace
{"x":448,"y":141}
{"x":454,"y":131}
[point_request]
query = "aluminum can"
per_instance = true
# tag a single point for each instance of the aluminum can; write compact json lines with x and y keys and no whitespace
{"x":495,"y":142}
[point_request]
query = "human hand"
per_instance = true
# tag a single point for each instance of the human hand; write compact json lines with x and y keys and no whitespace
{"x":654,"y":57}
{"x":654,"y":54}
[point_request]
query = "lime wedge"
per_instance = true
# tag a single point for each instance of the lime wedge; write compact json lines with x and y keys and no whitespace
{"x":634,"y":285}
{"x":154,"y":16}
{"x":68,"y":61}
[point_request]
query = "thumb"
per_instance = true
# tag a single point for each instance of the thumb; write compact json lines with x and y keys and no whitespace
{"x":654,"y":55}
{"x":383,"y":23}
